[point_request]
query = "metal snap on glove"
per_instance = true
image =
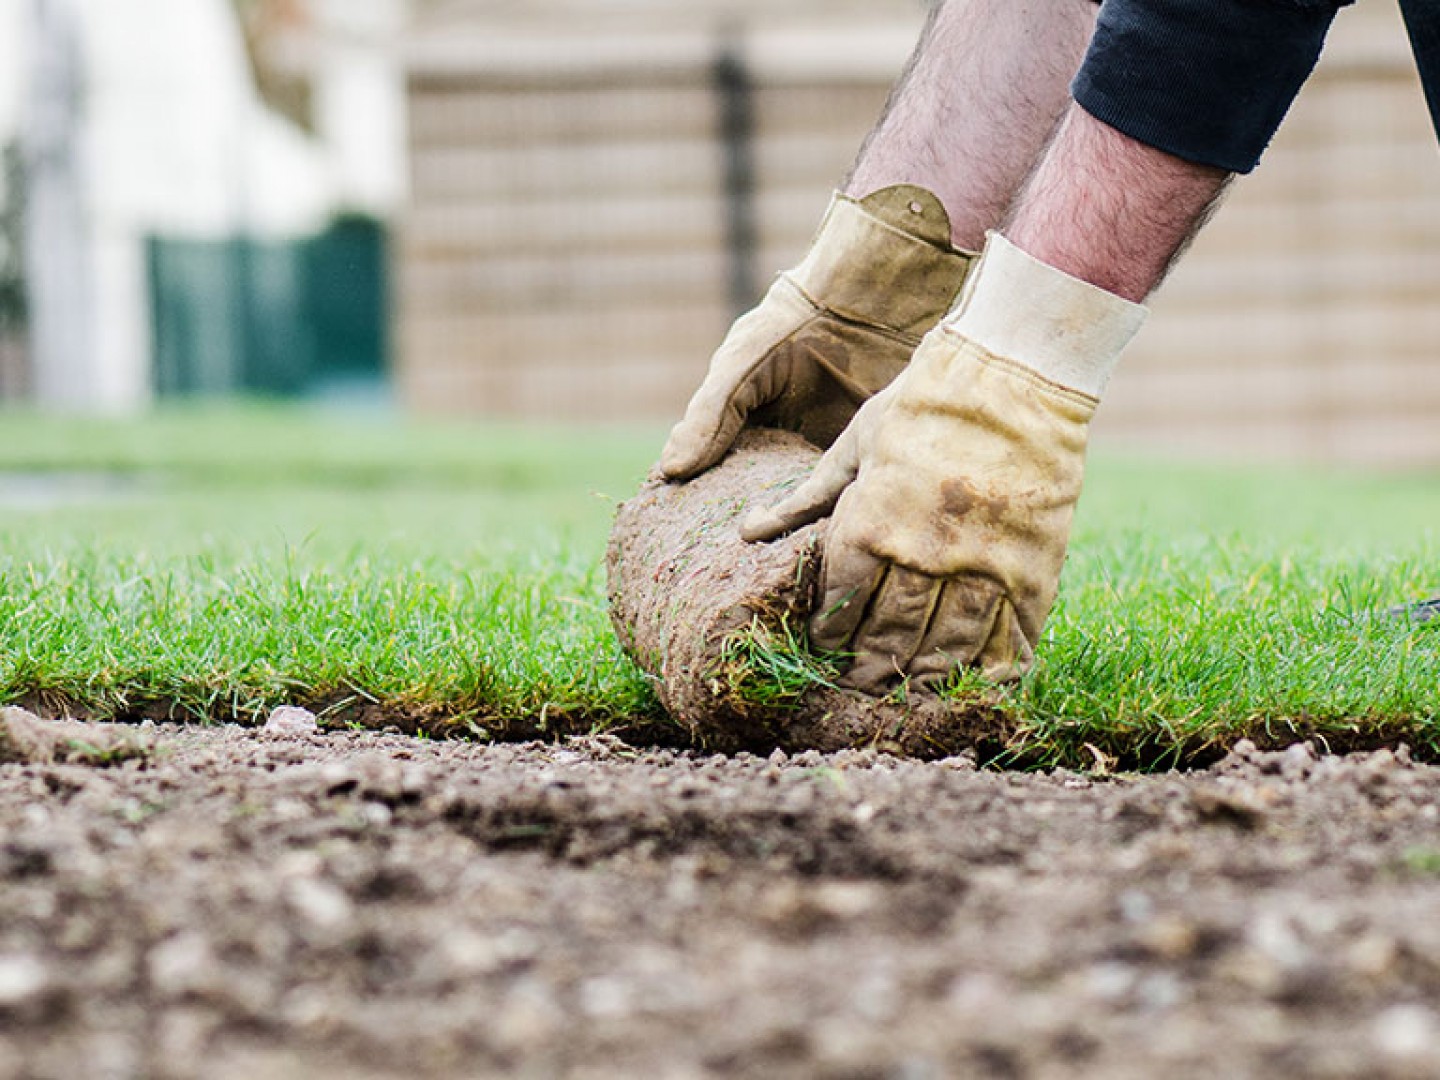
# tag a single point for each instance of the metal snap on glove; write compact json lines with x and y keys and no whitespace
{"x":954,"y":489}
{"x":829,"y":333}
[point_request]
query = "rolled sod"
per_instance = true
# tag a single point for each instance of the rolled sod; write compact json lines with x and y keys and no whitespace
{"x":687,"y":594}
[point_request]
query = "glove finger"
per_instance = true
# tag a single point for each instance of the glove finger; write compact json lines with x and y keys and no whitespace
{"x":849,"y":576}
{"x":711,"y":423}
{"x":892,"y":630}
{"x":744,"y":373}
{"x":813,"y":499}
{"x":961,"y":626}
{"x":1006,"y":654}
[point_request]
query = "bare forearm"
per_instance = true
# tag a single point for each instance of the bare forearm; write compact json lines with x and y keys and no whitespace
{"x":1110,"y":210}
{"x":983,"y":92}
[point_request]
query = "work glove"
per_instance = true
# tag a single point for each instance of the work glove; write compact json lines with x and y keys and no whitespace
{"x":829,"y":333}
{"x":953,"y":490}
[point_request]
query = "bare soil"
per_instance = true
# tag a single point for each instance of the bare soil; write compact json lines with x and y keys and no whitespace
{"x":217,"y":902}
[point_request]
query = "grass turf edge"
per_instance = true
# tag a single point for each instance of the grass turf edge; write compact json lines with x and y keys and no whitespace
{"x":1015,"y":744}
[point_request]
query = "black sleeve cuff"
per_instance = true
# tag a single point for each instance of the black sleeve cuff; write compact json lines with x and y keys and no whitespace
{"x":1422,"y":19}
{"x":1206,"y":80}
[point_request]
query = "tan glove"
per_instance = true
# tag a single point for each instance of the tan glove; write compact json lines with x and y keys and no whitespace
{"x":829,"y":333}
{"x":956,"y":486}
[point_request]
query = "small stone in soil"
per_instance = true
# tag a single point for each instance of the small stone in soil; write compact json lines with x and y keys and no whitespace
{"x":23,"y":979}
{"x":1405,"y":1031}
{"x":291,"y":720}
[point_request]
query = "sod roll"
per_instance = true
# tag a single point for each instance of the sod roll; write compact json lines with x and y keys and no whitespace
{"x":690,"y":601}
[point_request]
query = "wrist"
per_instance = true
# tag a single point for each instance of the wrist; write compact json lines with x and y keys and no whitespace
{"x":1065,"y":330}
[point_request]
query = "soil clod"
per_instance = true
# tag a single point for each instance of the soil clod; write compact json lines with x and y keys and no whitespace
{"x":27,"y":739}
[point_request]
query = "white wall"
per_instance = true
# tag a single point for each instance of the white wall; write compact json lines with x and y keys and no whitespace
{"x":11,"y":73}
{"x":359,"y":84}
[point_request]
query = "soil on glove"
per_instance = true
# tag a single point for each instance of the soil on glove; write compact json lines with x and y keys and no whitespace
{"x":683,"y":585}
{"x":230,"y":904}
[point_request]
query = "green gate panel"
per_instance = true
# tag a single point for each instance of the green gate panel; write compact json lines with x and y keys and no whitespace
{"x":348,"y":302}
{"x":269,"y":318}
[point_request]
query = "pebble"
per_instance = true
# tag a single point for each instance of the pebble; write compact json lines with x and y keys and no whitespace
{"x":1297,"y":761}
{"x":977,"y":993}
{"x":1110,"y":981}
{"x":1372,"y":955}
{"x":1160,"y":991}
{"x":1405,"y":1031}
{"x":1170,"y":937}
{"x":531,"y":1016}
{"x":291,"y":720}
{"x":1135,"y":906}
{"x":319,"y":903}
{"x":606,"y":998}
{"x":23,"y":980}
{"x":1273,"y":935}
{"x":182,"y":965}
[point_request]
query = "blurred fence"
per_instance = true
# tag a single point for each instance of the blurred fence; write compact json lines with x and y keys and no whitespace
{"x":587,"y":210}
{"x":581,"y":224}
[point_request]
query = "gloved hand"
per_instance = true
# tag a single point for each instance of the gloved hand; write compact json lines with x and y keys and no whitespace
{"x":953,"y":490}
{"x":830,"y":332}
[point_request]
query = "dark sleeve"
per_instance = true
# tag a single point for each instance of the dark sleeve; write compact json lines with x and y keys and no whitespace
{"x":1422,"y":20}
{"x":1206,"y":80}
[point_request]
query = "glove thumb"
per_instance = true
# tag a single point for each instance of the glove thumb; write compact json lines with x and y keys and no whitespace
{"x":813,"y":499}
{"x":697,"y":442}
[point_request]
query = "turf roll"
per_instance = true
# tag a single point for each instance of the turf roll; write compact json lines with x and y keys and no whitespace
{"x":719,"y":623}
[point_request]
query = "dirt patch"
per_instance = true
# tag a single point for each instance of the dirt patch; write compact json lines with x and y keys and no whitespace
{"x":238,"y":904}
{"x":26,"y":739}
{"x":684,"y":588}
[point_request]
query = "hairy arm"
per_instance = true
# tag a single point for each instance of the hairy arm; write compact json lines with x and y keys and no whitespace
{"x":982,"y":93}
{"x":1110,"y":210}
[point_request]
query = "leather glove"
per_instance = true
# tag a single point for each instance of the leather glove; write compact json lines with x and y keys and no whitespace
{"x":829,"y":333}
{"x":953,"y":490}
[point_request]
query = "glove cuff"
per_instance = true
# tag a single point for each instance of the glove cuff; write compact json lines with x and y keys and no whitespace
{"x":1064,"y":329}
{"x":884,"y":260}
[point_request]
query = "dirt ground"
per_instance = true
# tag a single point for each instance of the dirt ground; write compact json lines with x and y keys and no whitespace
{"x":232,"y":904}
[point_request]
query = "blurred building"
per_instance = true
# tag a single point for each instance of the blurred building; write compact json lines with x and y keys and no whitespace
{"x":595,"y":188}
{"x":181,"y":234}
{"x":335,"y":66}
{"x":141,"y":121}
{"x":14,"y":368}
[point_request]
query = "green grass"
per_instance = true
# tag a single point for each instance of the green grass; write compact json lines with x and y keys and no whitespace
{"x":1202,"y":605}
{"x":773,"y":667}
{"x":450,"y":575}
